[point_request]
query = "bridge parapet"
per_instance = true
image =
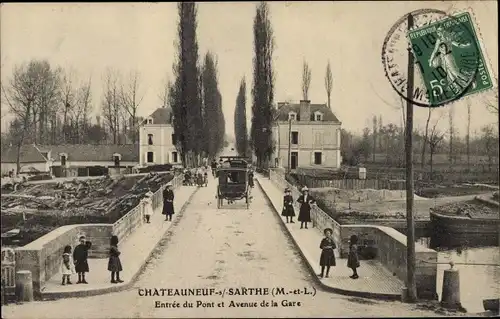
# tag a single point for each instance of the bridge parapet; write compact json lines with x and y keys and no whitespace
{"x":43,"y":256}
{"x":391,"y":252}
{"x":390,"y":244}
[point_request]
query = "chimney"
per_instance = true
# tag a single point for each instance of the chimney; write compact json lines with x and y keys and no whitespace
{"x":305,"y":110}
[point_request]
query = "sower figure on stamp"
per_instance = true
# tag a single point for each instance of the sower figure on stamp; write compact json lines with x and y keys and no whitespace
{"x":306,"y":201}
{"x":288,"y":210}
{"x":327,"y":247}
{"x":114,"y":262}
{"x":168,"y":202}
{"x":80,"y":257}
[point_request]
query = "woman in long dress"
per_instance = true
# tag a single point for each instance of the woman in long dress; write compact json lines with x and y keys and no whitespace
{"x":148,"y":206}
{"x":168,"y":202}
{"x":306,"y":201}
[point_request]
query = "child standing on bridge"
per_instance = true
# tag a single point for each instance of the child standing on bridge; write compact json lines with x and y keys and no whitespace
{"x":288,"y":210}
{"x":67,"y":266}
{"x":148,"y":205}
{"x":327,"y":247}
{"x":80,"y":256}
{"x":114,"y":262}
{"x":352,"y":258}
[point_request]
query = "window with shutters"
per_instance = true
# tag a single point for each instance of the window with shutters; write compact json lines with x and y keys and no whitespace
{"x":150,"y":139}
{"x":317,"y":158}
{"x":150,"y":157}
{"x":295,"y":137}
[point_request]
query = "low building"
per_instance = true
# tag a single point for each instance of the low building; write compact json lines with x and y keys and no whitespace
{"x":157,"y":139}
{"x":72,"y":160}
{"x":311,"y":132}
{"x":31,"y":160}
{"x":90,"y":160}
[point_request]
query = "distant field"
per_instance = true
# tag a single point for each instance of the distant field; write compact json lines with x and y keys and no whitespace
{"x":437,"y":159}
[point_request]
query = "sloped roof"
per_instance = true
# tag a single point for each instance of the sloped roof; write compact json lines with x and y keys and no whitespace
{"x":162,"y":115}
{"x":29,"y":154}
{"x":284,"y":109}
{"x":96,"y":153}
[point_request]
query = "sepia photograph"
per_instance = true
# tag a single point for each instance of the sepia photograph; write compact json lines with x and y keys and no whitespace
{"x":281,"y":159}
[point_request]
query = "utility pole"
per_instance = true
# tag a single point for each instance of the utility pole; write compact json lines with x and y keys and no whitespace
{"x":410,"y":223}
{"x":289,"y":145}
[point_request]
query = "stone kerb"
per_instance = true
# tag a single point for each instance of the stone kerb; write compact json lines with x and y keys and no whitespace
{"x":391,"y":252}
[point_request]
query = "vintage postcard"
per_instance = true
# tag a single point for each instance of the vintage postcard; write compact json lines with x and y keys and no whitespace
{"x":249,"y":159}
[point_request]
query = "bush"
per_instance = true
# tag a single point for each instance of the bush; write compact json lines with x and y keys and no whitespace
{"x":40,"y":177}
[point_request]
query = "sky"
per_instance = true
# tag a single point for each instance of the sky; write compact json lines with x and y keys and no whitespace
{"x":88,"y":38}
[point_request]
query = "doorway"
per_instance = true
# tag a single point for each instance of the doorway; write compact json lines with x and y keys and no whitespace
{"x":294,"y":159}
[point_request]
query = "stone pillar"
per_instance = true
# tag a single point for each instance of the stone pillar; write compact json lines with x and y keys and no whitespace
{"x":450,"y":297}
{"x":24,"y":286}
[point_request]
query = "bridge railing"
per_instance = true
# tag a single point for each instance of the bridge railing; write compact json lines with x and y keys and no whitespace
{"x":319,"y":218}
{"x":126,"y":225}
{"x":42,"y":256}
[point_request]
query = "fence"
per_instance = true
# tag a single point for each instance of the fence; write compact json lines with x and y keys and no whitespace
{"x":8,"y":272}
{"x":124,"y":226}
{"x":352,"y":183}
{"x":319,"y":218}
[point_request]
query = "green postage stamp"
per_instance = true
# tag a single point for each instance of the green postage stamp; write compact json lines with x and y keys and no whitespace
{"x":450,"y":59}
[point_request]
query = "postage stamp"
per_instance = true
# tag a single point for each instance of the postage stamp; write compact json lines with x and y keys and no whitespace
{"x":450,"y":59}
{"x":445,"y":78}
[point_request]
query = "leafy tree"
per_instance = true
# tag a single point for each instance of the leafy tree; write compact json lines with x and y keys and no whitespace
{"x":185,"y":94}
{"x":263,"y":86}
{"x":240,"y":121}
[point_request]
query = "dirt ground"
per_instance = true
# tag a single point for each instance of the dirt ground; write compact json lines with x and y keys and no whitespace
{"x":369,"y":203}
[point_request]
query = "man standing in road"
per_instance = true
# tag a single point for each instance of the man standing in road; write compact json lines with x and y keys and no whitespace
{"x":168,"y":202}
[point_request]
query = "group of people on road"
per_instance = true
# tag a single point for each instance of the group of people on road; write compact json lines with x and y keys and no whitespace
{"x":196,"y":176}
{"x":327,"y":245}
{"x":306,"y":202}
{"x":77,"y":262}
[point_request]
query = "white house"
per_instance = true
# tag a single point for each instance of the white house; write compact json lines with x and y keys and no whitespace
{"x":157,"y":139}
{"x":314,"y":137}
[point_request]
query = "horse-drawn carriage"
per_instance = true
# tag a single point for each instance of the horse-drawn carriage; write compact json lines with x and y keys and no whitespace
{"x":233,"y":181}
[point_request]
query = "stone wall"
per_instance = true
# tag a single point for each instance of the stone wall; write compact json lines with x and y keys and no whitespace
{"x":391,"y":252}
{"x":43,"y":256}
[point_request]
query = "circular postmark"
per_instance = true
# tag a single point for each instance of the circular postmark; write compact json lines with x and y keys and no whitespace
{"x":445,"y":53}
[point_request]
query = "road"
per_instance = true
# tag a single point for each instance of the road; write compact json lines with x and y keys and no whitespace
{"x":220,"y":249}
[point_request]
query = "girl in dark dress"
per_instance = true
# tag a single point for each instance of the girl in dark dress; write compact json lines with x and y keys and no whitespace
{"x":114,"y":263}
{"x":305,"y":201}
{"x":80,"y":256}
{"x":288,"y":210}
{"x":352,"y":258}
{"x":327,"y":258}
{"x":168,"y":202}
